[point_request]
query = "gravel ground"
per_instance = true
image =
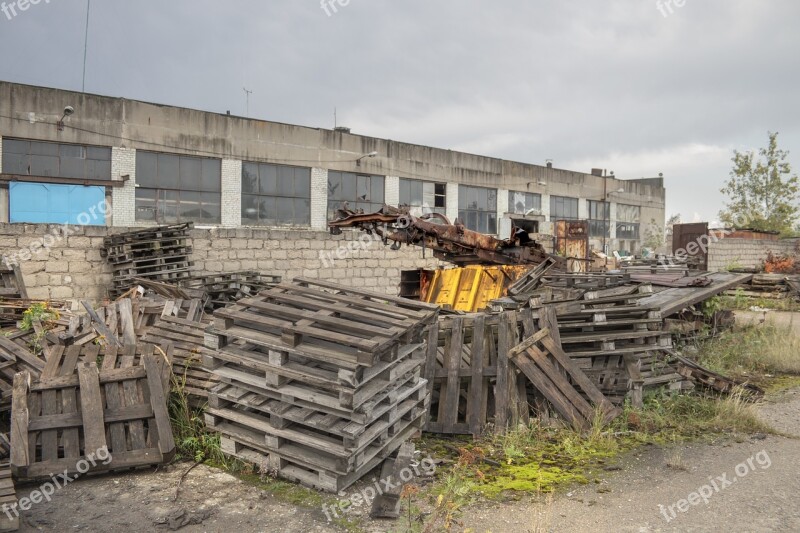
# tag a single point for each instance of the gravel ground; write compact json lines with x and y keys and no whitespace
{"x":765,"y":499}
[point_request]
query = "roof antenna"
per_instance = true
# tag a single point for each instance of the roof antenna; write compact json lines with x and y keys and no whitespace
{"x":247,"y":97}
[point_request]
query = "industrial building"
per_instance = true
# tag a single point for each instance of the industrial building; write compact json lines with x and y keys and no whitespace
{"x":64,"y":152}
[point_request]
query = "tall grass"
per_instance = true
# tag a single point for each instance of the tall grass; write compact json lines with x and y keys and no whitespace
{"x":755,"y":349}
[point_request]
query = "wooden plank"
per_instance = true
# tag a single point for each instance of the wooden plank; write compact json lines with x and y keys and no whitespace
{"x":452,"y":392}
{"x":94,"y":432}
{"x":158,"y":400}
{"x":126,"y":322}
{"x":477,"y":411}
{"x":20,"y":416}
{"x":501,"y":392}
{"x":100,"y":326}
{"x":548,"y":389}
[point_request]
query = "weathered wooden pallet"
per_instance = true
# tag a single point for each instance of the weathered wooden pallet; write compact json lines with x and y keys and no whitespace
{"x":181,"y":328}
{"x":229,"y":287}
{"x":310,"y":428}
{"x":9,"y":521}
{"x":66,"y":417}
{"x":311,"y":471}
{"x":284,"y":372}
{"x":359,"y":400}
{"x":325,"y":322}
{"x":148,"y":234}
{"x":467,"y":396}
{"x":560,"y":381}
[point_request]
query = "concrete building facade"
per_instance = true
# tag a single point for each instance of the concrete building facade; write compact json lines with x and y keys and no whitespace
{"x":170,"y":164}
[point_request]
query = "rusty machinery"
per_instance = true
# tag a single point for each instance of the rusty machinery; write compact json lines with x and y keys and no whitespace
{"x":452,"y":243}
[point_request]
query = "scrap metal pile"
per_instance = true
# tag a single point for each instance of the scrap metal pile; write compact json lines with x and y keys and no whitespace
{"x":453,"y":243}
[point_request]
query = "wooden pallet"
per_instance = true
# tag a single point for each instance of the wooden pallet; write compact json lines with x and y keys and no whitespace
{"x":311,"y":471}
{"x":466,"y":396}
{"x":65,"y":416}
{"x":9,"y":521}
{"x":326,"y":322}
{"x":558,"y":379}
{"x":387,"y":504}
{"x":230,"y":287}
{"x":182,"y":328}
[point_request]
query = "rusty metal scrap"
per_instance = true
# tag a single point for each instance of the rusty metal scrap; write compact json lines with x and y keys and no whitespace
{"x":453,"y":243}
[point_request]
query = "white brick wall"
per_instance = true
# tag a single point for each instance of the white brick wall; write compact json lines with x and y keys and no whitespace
{"x":392,"y":191}
{"x":231,"y":193}
{"x":319,"y":199}
{"x":612,"y":215}
{"x":452,"y":201}
{"x":1,"y":154}
{"x":123,"y":162}
{"x":503,"y":223}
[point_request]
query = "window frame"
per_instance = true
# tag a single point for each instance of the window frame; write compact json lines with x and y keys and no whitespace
{"x":599,"y":225}
{"x":437,"y":186}
{"x":477,"y":218}
{"x":168,"y":197}
{"x":304,"y":195}
{"x":554,"y":199}
{"x":336,"y":199}
{"x":537,"y":198}
{"x":88,"y":154}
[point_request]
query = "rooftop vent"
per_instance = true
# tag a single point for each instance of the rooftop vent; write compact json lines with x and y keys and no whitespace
{"x":342,"y":129}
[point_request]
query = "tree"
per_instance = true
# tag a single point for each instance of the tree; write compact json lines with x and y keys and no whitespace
{"x":653,"y":236}
{"x":763,"y":193}
{"x":670,"y":226}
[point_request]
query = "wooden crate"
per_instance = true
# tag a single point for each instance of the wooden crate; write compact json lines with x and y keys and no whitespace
{"x":65,"y":416}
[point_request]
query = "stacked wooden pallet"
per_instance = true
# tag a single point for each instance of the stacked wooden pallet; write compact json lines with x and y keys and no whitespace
{"x":158,"y":254}
{"x":772,"y":286}
{"x":183,"y":330}
{"x":319,"y":383}
{"x":621,"y":346}
{"x":229,"y":287}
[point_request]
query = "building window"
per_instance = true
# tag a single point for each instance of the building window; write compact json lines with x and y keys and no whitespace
{"x":599,"y":219}
{"x":34,"y":158}
{"x":477,"y":209}
{"x":360,"y":191}
{"x":274,"y":195}
{"x":175,"y":188}
{"x":430,"y":196}
{"x":563,"y":208}
{"x":628,"y":221}
{"x":524,"y":203}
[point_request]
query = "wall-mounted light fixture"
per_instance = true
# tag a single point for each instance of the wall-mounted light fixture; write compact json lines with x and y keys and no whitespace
{"x":68,"y":111}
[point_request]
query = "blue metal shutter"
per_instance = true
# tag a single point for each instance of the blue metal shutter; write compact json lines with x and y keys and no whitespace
{"x":44,"y":203}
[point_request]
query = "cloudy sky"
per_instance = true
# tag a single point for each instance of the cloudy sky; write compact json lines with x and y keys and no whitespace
{"x":624,"y":85}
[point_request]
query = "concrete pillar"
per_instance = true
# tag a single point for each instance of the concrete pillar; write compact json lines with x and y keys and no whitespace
{"x":583,"y":208}
{"x":503,"y":222}
{"x":319,"y":199}
{"x":392,"y":191}
{"x":452,"y":201}
{"x":123,"y":199}
{"x":231,"y":193}
{"x":3,"y":192}
{"x":612,"y":214}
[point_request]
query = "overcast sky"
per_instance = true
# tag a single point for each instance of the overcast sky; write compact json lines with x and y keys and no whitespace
{"x":587,"y":83}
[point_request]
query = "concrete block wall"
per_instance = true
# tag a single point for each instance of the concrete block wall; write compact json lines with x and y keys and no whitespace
{"x":746,"y":253}
{"x":68,"y":264}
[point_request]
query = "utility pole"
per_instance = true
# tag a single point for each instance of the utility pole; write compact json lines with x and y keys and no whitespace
{"x":247,"y":100}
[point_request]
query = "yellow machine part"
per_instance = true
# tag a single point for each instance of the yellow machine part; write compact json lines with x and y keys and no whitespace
{"x":471,"y":288}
